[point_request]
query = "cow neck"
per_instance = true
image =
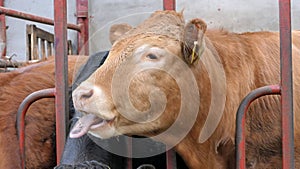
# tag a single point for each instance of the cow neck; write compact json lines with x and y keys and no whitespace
{"x":193,"y":153}
{"x":193,"y":156}
{"x":193,"y":149}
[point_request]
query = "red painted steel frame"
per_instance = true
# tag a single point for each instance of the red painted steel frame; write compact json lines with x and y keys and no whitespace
{"x":240,"y":120}
{"x":286,"y":96}
{"x":171,"y":159}
{"x":169,"y":4}
{"x":61,"y":74}
{"x":129,"y":148}
{"x":45,"y":93}
{"x":83,"y":22}
{"x":286,"y":84}
{"x":2,"y":32}
{"x":171,"y":163}
{"x":30,"y":17}
{"x":61,"y":66}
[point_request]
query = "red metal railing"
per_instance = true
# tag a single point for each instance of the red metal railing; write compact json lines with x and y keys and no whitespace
{"x":169,"y":4}
{"x":286,"y":84}
{"x":61,"y":66}
{"x":83,"y":21}
{"x":2,"y":33}
{"x":30,"y":17}
{"x":46,"y":93}
{"x":240,"y":120}
{"x":286,"y":91}
{"x":170,"y":154}
{"x":61,"y":74}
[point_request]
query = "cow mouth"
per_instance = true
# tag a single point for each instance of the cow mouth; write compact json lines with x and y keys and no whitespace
{"x":88,"y":122}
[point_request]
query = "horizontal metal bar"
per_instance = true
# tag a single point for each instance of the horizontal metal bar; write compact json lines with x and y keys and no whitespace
{"x":20,"y":123}
{"x":34,"y":18}
{"x":240,"y":120}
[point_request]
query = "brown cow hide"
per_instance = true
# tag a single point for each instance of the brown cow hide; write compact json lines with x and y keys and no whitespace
{"x":226,"y":67}
{"x":40,"y":118}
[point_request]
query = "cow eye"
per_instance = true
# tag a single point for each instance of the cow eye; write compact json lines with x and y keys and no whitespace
{"x":151,"y":56}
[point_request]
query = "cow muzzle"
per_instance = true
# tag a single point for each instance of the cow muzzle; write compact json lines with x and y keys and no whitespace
{"x":82,"y":96}
{"x":96,"y":109}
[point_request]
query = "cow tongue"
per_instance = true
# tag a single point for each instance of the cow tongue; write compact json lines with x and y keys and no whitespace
{"x":83,"y":125}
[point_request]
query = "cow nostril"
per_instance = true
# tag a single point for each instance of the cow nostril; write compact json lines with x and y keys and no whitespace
{"x":87,"y":94}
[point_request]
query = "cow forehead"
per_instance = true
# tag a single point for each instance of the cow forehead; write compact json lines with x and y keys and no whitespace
{"x":128,"y":46}
{"x":168,"y":23}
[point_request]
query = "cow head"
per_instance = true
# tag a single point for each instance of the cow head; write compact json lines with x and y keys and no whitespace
{"x":146,"y":84}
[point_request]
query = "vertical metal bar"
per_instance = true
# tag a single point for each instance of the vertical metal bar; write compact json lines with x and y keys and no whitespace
{"x":129,"y":153}
{"x":169,"y":4}
{"x":286,"y":84}
{"x":34,"y":44}
{"x":49,"y":49}
{"x":83,"y":22}
{"x":43,"y":50}
{"x":2,"y":33}
{"x":240,"y":121}
{"x":61,"y":74}
{"x":28,"y":42}
{"x":171,"y":159}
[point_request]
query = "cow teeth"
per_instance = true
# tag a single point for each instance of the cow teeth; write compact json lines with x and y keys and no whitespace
{"x":99,"y":124}
{"x":77,"y":131}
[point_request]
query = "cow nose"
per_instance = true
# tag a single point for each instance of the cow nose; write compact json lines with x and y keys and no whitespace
{"x":84,"y":94}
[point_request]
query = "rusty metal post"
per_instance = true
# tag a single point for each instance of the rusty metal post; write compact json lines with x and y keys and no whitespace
{"x":169,"y":4}
{"x":2,"y":32}
{"x":83,"y":22}
{"x":34,"y":18}
{"x":171,"y":159}
{"x":170,"y":156}
{"x":61,"y":74}
{"x":129,"y":152}
{"x":286,"y":85}
{"x":240,"y":121}
{"x":22,"y":110}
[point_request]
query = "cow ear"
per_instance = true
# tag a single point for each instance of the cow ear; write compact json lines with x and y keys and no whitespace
{"x":117,"y":30}
{"x":193,"y":45}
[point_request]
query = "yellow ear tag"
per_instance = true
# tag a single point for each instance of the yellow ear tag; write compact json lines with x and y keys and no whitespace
{"x":194,"y":50}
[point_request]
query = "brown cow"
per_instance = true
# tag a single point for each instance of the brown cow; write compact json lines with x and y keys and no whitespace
{"x":40,"y":118}
{"x":158,"y":74}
